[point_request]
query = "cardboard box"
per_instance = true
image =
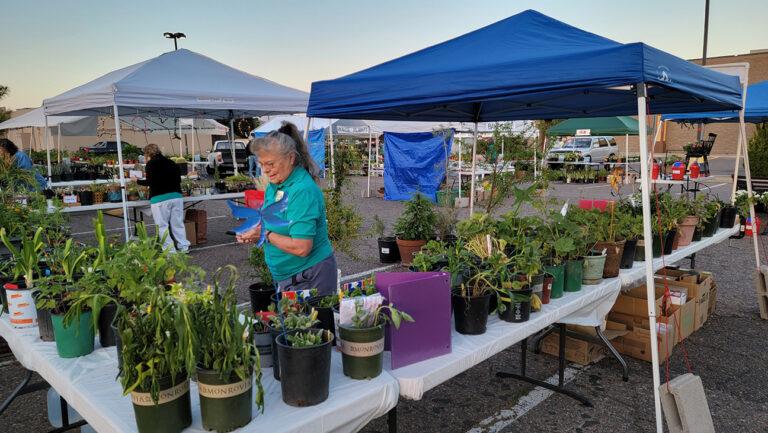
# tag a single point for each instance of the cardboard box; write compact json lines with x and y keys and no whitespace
{"x":579,"y":351}
{"x":200,"y":218}
{"x":189,"y":227}
{"x":694,"y":282}
{"x":702,"y":310}
{"x":684,"y":320}
{"x":637,"y":343}
{"x":634,"y":302}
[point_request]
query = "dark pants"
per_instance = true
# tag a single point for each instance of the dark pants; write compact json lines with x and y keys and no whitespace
{"x":323,"y":276}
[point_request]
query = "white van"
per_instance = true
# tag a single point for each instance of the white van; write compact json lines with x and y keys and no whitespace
{"x":590,"y":149}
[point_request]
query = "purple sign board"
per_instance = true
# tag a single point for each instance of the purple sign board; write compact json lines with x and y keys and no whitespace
{"x":426,"y":296}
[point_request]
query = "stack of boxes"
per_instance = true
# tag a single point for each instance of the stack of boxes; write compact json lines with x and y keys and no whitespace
{"x":685,"y":311}
{"x":196,"y":225}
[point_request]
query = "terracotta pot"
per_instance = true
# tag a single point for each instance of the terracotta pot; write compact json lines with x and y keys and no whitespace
{"x":614,"y":251}
{"x":685,"y":230}
{"x":408,"y":249}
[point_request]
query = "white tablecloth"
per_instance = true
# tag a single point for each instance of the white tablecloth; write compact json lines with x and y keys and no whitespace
{"x":88,"y":384}
{"x":469,"y":350}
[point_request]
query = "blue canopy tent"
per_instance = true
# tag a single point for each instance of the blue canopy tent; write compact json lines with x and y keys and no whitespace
{"x":755,"y":109}
{"x":531,"y":66}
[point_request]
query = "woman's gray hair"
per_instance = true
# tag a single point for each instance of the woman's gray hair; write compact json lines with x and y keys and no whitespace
{"x":287,"y":140}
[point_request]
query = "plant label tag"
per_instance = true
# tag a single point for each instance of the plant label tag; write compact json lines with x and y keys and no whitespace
{"x":136,"y":173}
{"x":384,"y":250}
{"x":69,"y":199}
{"x":564,"y":210}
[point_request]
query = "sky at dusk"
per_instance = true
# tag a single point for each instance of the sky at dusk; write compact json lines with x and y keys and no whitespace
{"x":48,"y":47}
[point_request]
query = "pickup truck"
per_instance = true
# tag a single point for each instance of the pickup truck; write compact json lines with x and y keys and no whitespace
{"x":221,"y":157}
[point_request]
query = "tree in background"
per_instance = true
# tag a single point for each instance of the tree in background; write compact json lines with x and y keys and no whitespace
{"x":4,"y":114}
{"x":758,"y":152}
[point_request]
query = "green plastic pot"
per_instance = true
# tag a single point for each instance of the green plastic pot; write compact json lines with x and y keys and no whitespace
{"x":573,"y":275}
{"x":593,"y":268}
{"x":361,"y":351}
{"x":225,"y":404}
{"x":77,"y":338}
{"x":558,"y":281}
{"x":172,"y":412}
{"x":658,"y":245}
{"x":640,"y":251}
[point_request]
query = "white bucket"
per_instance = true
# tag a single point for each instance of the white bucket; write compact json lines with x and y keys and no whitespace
{"x":21,"y":306}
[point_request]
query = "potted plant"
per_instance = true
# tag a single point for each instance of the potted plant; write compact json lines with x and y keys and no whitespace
{"x":73,"y":326}
{"x":388,"y":249}
{"x":113,"y":194}
{"x":284,"y":323}
{"x":606,"y":228}
{"x":414,"y":227}
{"x":688,"y":223}
{"x":26,"y":258}
{"x":227,"y":360}
{"x":557,"y":237}
{"x":445,"y":224}
{"x":305,"y":366}
{"x":262,"y":291}
{"x":99,"y":193}
{"x":710,"y":219}
{"x":577,"y":230}
{"x":631,"y":229}
{"x":85,"y":196}
{"x":158,"y":353}
{"x":362,"y":339}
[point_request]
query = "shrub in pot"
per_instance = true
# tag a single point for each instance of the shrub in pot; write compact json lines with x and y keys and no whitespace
{"x":388,"y":250}
{"x":606,"y":227}
{"x":158,"y":353}
{"x":287,"y":322}
{"x":305,"y":366}
{"x":227,"y":361}
{"x":414,"y":227}
{"x":710,"y":218}
{"x":261,"y":292}
{"x":362,"y":339}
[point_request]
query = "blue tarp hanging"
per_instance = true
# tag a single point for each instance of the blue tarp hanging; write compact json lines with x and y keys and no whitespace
{"x":414,"y":162}
{"x":316,"y":146}
{"x":755,"y":109}
{"x":528,"y":66}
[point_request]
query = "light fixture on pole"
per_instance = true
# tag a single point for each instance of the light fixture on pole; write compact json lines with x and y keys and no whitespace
{"x":175,"y":37}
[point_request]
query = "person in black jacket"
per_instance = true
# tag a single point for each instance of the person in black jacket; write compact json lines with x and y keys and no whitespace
{"x":164,"y":180}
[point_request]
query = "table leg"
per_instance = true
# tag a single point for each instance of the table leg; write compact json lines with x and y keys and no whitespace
{"x":615,"y":353}
{"x":22,"y":389}
{"x":561,"y":372}
{"x":392,"y":420}
{"x":539,"y":338}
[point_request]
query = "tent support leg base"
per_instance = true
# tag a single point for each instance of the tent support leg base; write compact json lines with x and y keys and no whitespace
{"x":561,"y":371}
{"x":392,"y":420}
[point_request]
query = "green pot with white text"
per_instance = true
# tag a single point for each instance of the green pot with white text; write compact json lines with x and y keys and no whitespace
{"x":362,"y":351}
{"x":225,"y":404}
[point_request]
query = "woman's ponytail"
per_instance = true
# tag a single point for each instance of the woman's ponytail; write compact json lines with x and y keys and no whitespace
{"x":303,"y":158}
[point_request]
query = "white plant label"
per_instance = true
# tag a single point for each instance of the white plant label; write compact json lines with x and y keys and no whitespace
{"x":361,"y":350}
{"x":385,"y":250}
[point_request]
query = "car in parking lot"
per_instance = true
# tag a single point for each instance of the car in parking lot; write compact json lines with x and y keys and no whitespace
{"x":103,"y":147}
{"x":594,"y":148}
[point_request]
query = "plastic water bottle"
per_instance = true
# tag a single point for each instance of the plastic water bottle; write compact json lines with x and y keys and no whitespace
{"x":54,"y":410}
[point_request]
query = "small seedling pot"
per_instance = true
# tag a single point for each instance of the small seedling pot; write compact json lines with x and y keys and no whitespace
{"x":594,"y":263}
{"x":518,"y":310}
{"x":614,"y":252}
{"x":225,"y":404}
{"x":470,"y":315}
{"x":305,"y":372}
{"x":574,"y":270}
{"x":45,"y":325}
{"x":361,"y":351}
{"x":172,"y":412}
{"x":75,"y":339}
{"x":558,"y":280}
{"x":21,"y":305}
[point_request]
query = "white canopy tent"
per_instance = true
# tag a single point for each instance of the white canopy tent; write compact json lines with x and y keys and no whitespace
{"x":177,"y":84}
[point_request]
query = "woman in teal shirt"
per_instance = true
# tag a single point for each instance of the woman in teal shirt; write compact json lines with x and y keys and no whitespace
{"x":299,"y":255}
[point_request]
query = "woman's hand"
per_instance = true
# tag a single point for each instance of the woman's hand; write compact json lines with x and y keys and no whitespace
{"x":249,"y":237}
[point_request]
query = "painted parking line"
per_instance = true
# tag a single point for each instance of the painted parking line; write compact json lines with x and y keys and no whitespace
{"x":536,"y":396}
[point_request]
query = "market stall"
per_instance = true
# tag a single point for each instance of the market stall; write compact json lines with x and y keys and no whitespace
{"x":513,"y":70}
{"x":155,"y":88}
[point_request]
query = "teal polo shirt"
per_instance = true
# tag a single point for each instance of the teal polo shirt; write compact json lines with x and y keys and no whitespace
{"x":306,"y":212}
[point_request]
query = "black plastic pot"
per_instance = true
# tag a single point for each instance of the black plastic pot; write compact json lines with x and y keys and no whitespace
{"x":669,"y":241}
{"x":517,"y":311}
{"x":274,"y":333}
{"x":44,"y":324}
{"x":106,"y":332}
{"x":388,"y":250}
{"x":628,"y":256}
{"x":171,"y":414}
{"x":86,"y":198}
{"x":728,"y":216}
{"x":261,"y":296}
{"x":3,"y":298}
{"x":710,"y":228}
{"x":326,"y":318}
{"x":305,"y":372}
{"x":220,"y":186}
{"x":470,"y":315}
{"x":224,"y":404}
{"x":697,"y":234}
{"x":263,"y":343}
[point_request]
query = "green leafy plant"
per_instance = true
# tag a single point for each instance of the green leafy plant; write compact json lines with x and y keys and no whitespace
{"x":343,"y":223}
{"x":27,"y":257}
{"x":378,"y":228}
{"x":259,"y":263}
{"x":365,"y":318}
{"x":417,"y":221}
{"x":308,"y":338}
{"x":758,"y":152}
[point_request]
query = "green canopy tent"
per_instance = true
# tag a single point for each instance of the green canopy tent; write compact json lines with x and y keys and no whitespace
{"x":617,"y":125}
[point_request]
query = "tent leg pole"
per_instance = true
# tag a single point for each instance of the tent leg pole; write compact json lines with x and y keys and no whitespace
{"x":647,"y":234}
{"x":626,"y":154}
{"x":232,"y":141}
{"x":736,"y":169}
{"x":748,"y":174}
{"x":461,"y":141}
{"x":472,"y":180}
{"x":47,"y":150}
{"x":121,"y":172}
{"x":58,"y":137}
{"x":333,"y":166}
{"x":370,"y":145}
